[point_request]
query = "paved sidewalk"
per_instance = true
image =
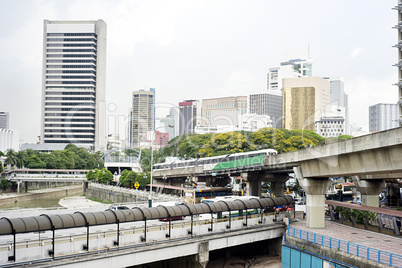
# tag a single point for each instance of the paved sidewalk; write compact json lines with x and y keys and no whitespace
{"x":359,"y":236}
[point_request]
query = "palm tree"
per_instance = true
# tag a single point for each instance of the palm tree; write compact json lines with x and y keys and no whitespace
{"x":11,"y":157}
{"x":21,"y":158}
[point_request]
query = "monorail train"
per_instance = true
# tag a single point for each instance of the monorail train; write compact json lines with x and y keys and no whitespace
{"x":222,"y":161}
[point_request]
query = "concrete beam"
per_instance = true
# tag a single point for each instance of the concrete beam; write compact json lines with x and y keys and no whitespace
{"x":153,"y":252}
{"x":371,"y":162}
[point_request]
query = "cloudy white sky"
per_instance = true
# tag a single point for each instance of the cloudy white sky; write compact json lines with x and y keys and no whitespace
{"x":203,"y":49}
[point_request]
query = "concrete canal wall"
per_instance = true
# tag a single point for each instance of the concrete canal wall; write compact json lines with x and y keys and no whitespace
{"x":117,"y":194}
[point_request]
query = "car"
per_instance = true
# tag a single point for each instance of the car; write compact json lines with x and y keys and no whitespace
{"x":176,"y":218}
{"x":118,"y":208}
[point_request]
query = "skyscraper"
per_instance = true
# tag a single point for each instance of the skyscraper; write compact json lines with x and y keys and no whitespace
{"x":73,"y":83}
{"x":190,"y":114}
{"x":266,"y":103}
{"x":298,"y":63}
{"x":142,"y":116}
{"x":383,"y":116}
{"x":339,"y":99}
{"x":4,"y":120}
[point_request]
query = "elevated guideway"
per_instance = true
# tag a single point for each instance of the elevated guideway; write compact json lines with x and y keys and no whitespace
{"x":369,"y":159}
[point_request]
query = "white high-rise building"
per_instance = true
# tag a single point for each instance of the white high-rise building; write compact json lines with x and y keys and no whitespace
{"x":142,"y":116}
{"x":4,"y":120}
{"x":298,"y":64}
{"x":73,"y":83}
{"x":339,"y":100}
{"x":383,"y":116}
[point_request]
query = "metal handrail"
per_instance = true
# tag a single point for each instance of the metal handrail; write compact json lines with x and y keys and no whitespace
{"x":379,"y":256}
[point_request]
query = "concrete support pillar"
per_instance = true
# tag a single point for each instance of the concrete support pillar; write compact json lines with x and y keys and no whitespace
{"x":26,"y":187}
{"x":194,"y":179}
{"x":18,"y":186}
{"x":369,"y":189}
{"x":274,"y":246}
{"x":202,"y":257}
{"x":315,"y":189}
{"x":84,"y":186}
{"x":253,"y":184}
{"x":278,"y":184}
{"x":277,"y":189}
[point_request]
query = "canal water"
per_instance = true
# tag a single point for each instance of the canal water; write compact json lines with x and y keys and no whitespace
{"x":46,"y":203}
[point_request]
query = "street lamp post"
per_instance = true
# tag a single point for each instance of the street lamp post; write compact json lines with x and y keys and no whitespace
{"x":152,"y":163}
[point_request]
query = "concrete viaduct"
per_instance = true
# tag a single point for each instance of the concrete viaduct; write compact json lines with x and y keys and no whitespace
{"x":369,"y":159}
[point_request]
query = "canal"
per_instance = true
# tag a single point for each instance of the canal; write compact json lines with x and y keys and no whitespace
{"x":45,"y":203}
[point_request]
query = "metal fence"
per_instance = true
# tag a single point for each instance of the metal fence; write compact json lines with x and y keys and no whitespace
{"x":380,"y":256}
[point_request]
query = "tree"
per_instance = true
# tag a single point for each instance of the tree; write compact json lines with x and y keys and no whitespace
{"x":226,"y":143}
{"x":266,"y":138}
{"x":128,"y":178}
{"x":50,"y":160}
{"x":11,"y":157}
{"x":64,"y":159}
{"x":21,"y":158}
{"x":91,"y":174}
{"x":294,"y":143}
{"x":4,"y":184}
{"x":104,"y":176}
{"x":35,"y":162}
{"x":143,"y":179}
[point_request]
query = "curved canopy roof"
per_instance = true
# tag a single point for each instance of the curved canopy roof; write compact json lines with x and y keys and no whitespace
{"x":85,"y":219}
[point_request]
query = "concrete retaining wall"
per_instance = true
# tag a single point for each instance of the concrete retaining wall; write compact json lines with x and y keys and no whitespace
{"x":111,"y":196}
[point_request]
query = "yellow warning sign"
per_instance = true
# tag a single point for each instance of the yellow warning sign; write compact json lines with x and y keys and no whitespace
{"x":136,"y":185}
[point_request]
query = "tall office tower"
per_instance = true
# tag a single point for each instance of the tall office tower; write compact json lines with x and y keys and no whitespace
{"x":298,"y":63}
{"x":167,"y":125}
{"x":383,"y":116}
{"x":399,"y":64}
{"x":189,"y":116}
{"x":267,"y":103}
{"x":73,"y":83}
{"x":174,"y":112}
{"x":304,"y":101}
{"x":142,"y":116}
{"x":213,"y":107}
{"x":276,"y":74}
{"x":4,"y":120}
{"x":339,"y":99}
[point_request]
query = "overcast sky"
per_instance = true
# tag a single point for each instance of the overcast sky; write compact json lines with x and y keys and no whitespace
{"x":203,"y":49}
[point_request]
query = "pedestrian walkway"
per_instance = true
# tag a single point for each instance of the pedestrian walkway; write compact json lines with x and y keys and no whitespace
{"x":362,"y":237}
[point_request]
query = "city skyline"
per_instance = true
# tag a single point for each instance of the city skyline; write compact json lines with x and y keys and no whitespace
{"x":174,"y":48}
